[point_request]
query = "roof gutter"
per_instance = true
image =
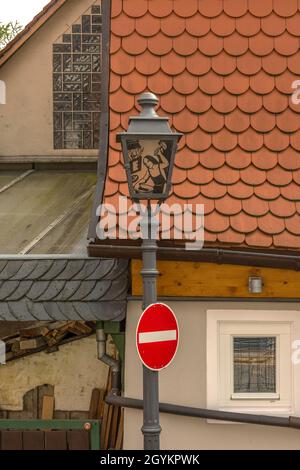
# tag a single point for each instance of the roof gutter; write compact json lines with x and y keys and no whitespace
{"x":271,"y":259}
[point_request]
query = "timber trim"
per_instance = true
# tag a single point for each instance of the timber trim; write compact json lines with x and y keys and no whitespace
{"x":104,"y":117}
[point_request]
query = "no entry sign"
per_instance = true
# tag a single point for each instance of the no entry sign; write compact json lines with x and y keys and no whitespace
{"x":157,"y":336}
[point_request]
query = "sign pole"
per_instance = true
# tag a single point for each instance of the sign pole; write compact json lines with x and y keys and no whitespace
{"x":151,"y":428}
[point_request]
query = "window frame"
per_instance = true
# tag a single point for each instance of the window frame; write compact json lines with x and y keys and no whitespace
{"x":282,"y":323}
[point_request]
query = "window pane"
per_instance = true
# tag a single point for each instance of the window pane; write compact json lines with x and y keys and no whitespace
{"x":254,"y":364}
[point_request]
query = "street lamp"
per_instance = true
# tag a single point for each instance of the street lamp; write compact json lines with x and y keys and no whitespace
{"x":149,"y":148}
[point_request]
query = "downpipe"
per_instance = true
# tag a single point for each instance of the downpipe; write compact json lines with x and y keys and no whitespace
{"x":114,"y":364}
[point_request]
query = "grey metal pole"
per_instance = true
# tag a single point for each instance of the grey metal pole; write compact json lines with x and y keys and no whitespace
{"x":151,"y":428}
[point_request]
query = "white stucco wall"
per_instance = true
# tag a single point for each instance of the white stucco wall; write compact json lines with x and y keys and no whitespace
{"x":74,"y":371}
{"x":184,"y":383}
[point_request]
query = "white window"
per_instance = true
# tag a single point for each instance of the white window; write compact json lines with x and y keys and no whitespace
{"x":249,"y":361}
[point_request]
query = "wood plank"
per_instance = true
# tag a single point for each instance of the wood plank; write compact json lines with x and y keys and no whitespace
{"x":101,"y":404}
{"x":196,"y":279}
{"x":48,"y":407}
{"x":56,"y":440}
{"x":33,"y":440}
{"x":42,"y":391}
{"x":104,"y":426}
{"x":11,"y":440}
{"x":78,"y":440}
{"x":114,"y":427}
{"x":108,"y":427}
{"x":94,"y":403}
{"x":119,"y":440}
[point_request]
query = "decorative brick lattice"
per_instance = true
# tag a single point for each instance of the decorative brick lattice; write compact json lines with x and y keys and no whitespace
{"x":77,"y":84}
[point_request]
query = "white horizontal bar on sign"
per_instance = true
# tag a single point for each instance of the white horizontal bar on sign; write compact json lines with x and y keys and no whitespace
{"x":156,"y":336}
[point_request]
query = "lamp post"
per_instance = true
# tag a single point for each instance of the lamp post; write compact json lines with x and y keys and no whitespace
{"x":149,"y":148}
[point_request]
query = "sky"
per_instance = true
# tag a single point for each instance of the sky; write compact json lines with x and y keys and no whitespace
{"x":21,"y":10}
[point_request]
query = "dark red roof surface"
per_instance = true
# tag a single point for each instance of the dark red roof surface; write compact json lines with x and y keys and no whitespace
{"x":223,"y":71}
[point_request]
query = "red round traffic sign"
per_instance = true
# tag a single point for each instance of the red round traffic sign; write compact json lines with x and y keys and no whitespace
{"x":157,"y":336}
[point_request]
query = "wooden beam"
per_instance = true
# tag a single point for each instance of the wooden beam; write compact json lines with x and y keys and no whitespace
{"x":196,"y":279}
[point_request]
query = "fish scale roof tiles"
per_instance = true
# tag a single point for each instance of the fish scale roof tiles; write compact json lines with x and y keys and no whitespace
{"x":223,"y":70}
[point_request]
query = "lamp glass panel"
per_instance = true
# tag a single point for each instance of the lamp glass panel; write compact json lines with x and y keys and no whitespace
{"x":149,"y":163}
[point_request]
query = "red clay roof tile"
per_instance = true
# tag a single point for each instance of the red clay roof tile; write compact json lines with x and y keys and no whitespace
{"x":179,"y":176}
{"x":114,"y":121}
{"x":134,"y":44}
{"x":291,"y":192}
{"x":237,"y":121}
{"x":264,"y":159}
{"x":121,"y":102}
{"x":224,"y":102}
{"x":262,"y":121}
{"x":222,"y":25}
{"x":267,"y":191}
{"x":135,"y":8}
{"x":134,"y":83}
{"x":198,"y":140}
{"x":253,"y":176}
{"x":289,"y":159}
{"x":275,"y":102}
{"x":198,"y":64}
{"x":223,"y":64}
{"x":186,"y":190}
{"x":186,"y":158}
{"x":271,"y":224}
{"x":240,"y":190}
{"x":286,"y":44}
{"x":172,"y":102}
{"x":248,"y":63}
{"x":213,"y":190}
{"x":295,"y":140}
{"x":148,"y":25}
{"x":235,"y":9}
{"x":248,"y":25}
{"x":235,"y":44}
{"x":249,"y":102}
{"x":228,"y":205}
{"x":122,"y":25}
{"x":200,"y":175}
{"x":282,"y":208}
{"x":293,"y":224}
{"x":111,"y":188}
{"x":211,"y":121}
{"x":211,"y":83}
{"x":159,"y":8}
{"x":224,"y":140}
{"x":259,"y":8}
{"x":198,"y":25}
{"x":273,"y":25}
{"x":236,"y":83}
{"x":210,"y":44}
{"x":116,"y":8}
{"x":284,"y":82}
{"x":276,"y":140}
{"x":292,"y":24}
{"x":226,"y":175}
{"x":230,"y":236}
{"x":274,"y":63}
{"x":243,"y":223}
{"x":210,"y":8}
{"x":209,"y":237}
{"x":115,"y":43}
{"x":160,"y":44}
{"x":208,"y":204}
{"x":147,"y":64}
{"x":288,"y":121}
{"x":286,"y":8}
{"x":279,"y":177}
{"x":198,"y":102}
{"x":259,"y":239}
{"x":185,"y":44}
{"x":250,"y":140}
{"x":186,"y":9}
{"x":115,"y":82}
{"x":172,"y":64}
{"x":212,"y":158}
{"x":185,"y":83}
{"x":260,"y":44}
{"x":185,"y":121}
{"x":160,"y":83}
{"x":293,"y":64}
{"x":255,"y":206}
{"x":216,"y":222}
{"x":238,"y":159}
{"x":286,"y":240}
{"x":122,"y":63}
{"x":174,"y":27}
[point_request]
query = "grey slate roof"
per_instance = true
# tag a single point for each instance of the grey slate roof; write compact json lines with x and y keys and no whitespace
{"x":62,"y":288}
